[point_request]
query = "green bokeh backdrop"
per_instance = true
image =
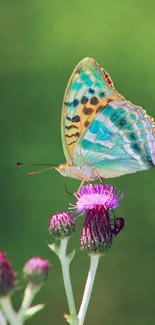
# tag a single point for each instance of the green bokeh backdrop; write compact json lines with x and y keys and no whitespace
{"x":41,"y":42}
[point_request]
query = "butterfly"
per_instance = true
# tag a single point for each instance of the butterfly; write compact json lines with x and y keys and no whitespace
{"x":103,"y":135}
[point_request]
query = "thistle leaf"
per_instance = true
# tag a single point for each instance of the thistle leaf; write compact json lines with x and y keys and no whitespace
{"x":33,"y":310}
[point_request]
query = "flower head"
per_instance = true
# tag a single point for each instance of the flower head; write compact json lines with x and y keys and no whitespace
{"x":61,"y":225}
{"x":92,"y":196}
{"x":7,"y":276}
{"x":36,"y":270}
{"x":99,"y":227}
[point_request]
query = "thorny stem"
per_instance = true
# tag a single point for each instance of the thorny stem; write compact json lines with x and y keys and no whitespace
{"x":94,"y":260}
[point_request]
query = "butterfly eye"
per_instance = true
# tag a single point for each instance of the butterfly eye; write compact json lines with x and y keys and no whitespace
{"x":63,"y":170}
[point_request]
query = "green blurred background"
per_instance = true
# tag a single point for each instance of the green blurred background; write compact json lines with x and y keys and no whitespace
{"x":41,"y":42}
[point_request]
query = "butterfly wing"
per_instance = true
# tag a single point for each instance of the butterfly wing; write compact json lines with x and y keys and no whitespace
{"x":88,"y":91}
{"x":120,"y":140}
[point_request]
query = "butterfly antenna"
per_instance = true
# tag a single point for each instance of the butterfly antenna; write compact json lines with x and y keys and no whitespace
{"x":17,"y":163}
{"x":38,"y":171}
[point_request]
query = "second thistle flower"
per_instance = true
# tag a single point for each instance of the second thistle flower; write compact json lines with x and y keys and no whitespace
{"x":7,"y":276}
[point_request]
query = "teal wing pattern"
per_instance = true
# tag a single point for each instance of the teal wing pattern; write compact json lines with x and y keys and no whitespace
{"x":120,"y":140}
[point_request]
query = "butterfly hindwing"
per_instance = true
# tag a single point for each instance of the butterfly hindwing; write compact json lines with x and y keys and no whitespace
{"x":88,"y":91}
{"x":120,"y":140}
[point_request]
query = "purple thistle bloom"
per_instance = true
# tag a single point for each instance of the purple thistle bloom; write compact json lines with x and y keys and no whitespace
{"x":36,"y":270}
{"x":99,"y":227}
{"x":90,"y":196}
{"x":7,"y":276}
{"x":61,"y":225}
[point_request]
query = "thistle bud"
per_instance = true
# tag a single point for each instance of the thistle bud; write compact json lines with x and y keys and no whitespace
{"x":36,"y":270}
{"x":61,"y":225}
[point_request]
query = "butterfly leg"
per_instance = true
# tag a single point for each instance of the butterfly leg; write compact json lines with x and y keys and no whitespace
{"x":80,"y":185}
{"x":83,"y":179}
{"x":96,"y":172}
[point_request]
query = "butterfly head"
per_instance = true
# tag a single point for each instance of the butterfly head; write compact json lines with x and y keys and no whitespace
{"x":83,"y":172}
{"x":63,"y":169}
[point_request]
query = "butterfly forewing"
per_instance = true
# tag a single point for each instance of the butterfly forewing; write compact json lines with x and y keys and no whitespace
{"x":88,"y":91}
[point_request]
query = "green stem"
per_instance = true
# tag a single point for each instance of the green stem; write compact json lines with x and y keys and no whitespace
{"x":9,"y":312}
{"x":65,"y":264}
{"x":94,"y":260}
{"x":29,"y":295}
{"x":12,"y":317}
{"x":2,"y":318}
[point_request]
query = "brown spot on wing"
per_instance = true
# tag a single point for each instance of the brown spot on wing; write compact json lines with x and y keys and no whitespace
{"x":94,"y":101}
{"x":87,"y":110}
{"x":76,"y":118}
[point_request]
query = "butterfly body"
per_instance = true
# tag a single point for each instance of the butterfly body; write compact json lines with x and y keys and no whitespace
{"x":103,"y":135}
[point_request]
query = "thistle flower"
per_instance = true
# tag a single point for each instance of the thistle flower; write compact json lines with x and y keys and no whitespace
{"x":36,"y":270}
{"x":99,"y":227}
{"x":93,"y":196}
{"x":7,"y":276}
{"x":61,"y":225}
